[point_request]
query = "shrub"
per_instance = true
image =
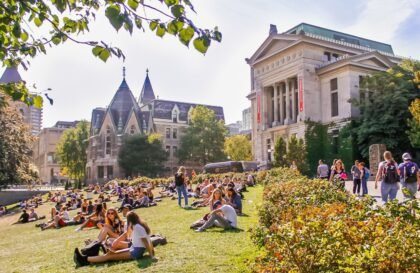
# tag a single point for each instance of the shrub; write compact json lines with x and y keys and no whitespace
{"x":311,"y":226}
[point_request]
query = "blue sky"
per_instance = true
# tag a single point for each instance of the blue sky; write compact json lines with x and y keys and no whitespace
{"x":81,"y":82}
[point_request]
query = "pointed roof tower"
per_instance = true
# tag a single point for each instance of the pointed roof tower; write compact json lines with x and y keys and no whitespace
{"x":147,"y":94}
{"x":11,"y":74}
{"x":121,"y":105}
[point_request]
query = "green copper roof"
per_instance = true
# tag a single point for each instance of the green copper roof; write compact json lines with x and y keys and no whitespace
{"x":339,"y":36}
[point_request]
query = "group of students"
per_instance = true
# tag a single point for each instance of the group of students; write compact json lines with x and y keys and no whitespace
{"x":390,"y":174}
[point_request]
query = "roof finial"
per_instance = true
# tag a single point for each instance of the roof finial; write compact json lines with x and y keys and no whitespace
{"x":147,"y":71}
{"x":124,"y":72}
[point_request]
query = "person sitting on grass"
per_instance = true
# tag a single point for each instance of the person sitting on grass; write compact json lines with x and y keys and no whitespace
{"x":224,"y":216}
{"x":58,"y":222}
{"x":140,"y":243}
{"x":234,"y":199}
{"x":113,"y":227}
{"x":142,"y":200}
{"x":24,"y":218}
{"x":96,"y":219}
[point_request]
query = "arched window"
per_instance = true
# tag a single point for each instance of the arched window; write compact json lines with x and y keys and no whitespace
{"x":132,"y":130}
{"x":108,"y":141}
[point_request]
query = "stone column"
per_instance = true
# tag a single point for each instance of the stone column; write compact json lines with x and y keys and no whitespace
{"x":293,"y":100}
{"x":276,"y":106}
{"x":263,"y":109}
{"x":281,"y":104}
{"x":287,"y":119}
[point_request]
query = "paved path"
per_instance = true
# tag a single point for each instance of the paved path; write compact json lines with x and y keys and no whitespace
{"x":376,"y":192}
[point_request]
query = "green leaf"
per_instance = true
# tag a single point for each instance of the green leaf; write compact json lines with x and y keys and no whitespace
{"x":37,"y":21}
{"x":153,"y":24}
{"x":133,"y":4}
{"x":171,"y":2}
{"x":202,"y":44}
{"x":97,"y":50}
{"x":138,"y":23}
{"x":185,"y":35}
{"x":161,"y":30}
{"x":172,"y":28}
{"x":38,"y":101}
{"x":17,"y":30}
{"x":104,"y":55}
{"x":24,"y":36}
{"x":115,"y":18}
{"x":56,"y":40}
{"x":178,"y":10}
{"x":218,"y":36}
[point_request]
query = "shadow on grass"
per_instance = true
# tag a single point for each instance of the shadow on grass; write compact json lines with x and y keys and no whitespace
{"x":144,"y":262}
{"x":243,"y":215}
{"x":231,"y":230}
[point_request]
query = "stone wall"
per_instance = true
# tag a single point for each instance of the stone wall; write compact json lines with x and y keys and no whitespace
{"x":11,"y":197}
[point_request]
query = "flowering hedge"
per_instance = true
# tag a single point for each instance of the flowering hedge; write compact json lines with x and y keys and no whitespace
{"x":311,"y":226}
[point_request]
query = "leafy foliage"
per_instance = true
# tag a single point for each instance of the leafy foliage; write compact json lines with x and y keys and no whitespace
{"x":280,"y":151}
{"x":414,"y":123}
{"x":62,"y":21}
{"x":318,"y":144}
{"x":71,"y":151}
{"x":385,"y":98}
{"x":238,"y":148}
{"x":15,"y":142}
{"x":204,"y":139}
{"x":142,"y":155}
{"x":309,"y":226}
{"x":296,"y":151}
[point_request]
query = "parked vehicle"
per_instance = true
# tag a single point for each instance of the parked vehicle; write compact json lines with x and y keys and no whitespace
{"x":249,"y":166}
{"x":224,"y":167}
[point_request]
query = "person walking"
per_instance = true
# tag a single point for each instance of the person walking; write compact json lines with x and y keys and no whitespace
{"x":364,"y":177}
{"x":356,"y":177}
{"x":180,"y":186}
{"x":388,"y":175}
{"x":322,"y":170}
{"x":409,"y":176}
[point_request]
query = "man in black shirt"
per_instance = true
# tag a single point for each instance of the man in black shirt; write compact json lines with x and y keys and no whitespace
{"x":24,"y":218}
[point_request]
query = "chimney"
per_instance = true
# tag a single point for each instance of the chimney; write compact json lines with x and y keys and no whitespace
{"x":273,"y":29}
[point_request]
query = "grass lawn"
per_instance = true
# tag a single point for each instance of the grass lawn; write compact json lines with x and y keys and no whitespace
{"x":24,"y":248}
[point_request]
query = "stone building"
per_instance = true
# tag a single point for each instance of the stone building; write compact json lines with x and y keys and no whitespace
{"x":44,"y":155}
{"x":32,"y":116}
{"x":127,"y":116}
{"x":308,"y":72}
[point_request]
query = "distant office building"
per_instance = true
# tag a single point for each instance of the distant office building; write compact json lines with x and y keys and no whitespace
{"x":44,"y":152}
{"x":246,"y":119}
{"x":234,"y":128}
{"x":308,"y":72}
{"x":32,"y":116}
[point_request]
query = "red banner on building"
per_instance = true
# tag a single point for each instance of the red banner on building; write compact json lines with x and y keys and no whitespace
{"x":258,"y":107}
{"x":300,"y":95}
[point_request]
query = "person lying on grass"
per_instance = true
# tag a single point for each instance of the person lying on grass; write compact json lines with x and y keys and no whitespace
{"x":140,"y":243}
{"x":224,"y":216}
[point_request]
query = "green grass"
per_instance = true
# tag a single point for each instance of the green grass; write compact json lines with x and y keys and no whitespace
{"x":24,"y":248}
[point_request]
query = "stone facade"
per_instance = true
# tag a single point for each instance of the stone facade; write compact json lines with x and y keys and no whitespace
{"x":308,"y":72}
{"x":44,"y":155}
{"x":126,"y":116}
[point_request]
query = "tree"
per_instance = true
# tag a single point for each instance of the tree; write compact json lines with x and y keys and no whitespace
{"x":63,"y":21}
{"x":204,"y":139}
{"x":318,"y":144}
{"x":296,"y":151}
{"x":238,"y":148}
{"x":384,"y":101}
{"x":71,"y":151}
{"x":414,"y":123}
{"x":280,"y":152}
{"x":15,"y":148}
{"x":142,"y":155}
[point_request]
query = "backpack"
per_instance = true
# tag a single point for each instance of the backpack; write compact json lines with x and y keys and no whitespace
{"x":93,"y":248}
{"x":179,"y":181}
{"x":366,"y":174}
{"x":389,"y":172}
{"x":410,"y":172}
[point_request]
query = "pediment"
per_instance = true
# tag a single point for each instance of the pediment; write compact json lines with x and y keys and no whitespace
{"x":108,"y":122}
{"x":272,"y":45}
{"x":374,"y":59}
{"x":132,"y":123}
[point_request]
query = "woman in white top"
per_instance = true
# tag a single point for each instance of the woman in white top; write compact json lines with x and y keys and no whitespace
{"x":140,"y":242}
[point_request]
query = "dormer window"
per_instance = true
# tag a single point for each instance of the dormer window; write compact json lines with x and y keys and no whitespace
{"x":175,"y":115}
{"x":108,"y":141}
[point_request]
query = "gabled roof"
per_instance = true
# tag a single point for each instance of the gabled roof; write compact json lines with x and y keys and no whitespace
{"x":162,"y":109}
{"x":146,"y":94}
{"x":10,"y":75}
{"x":382,"y":62}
